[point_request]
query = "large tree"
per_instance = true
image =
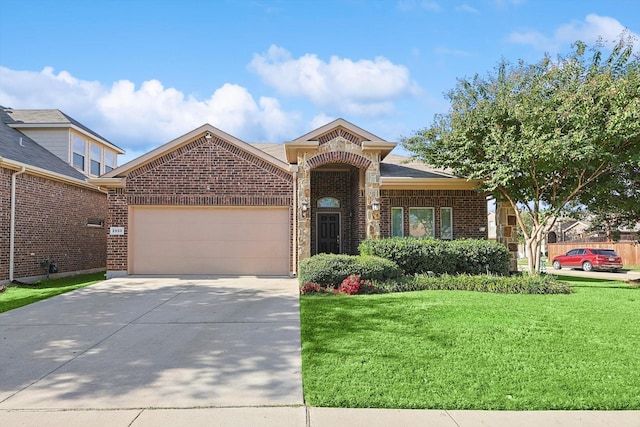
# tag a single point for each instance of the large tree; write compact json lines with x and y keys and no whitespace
{"x":541,"y":135}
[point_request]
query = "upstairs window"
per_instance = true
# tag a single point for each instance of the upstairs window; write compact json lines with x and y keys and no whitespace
{"x":96,"y":160}
{"x":79,"y":152}
{"x":109,"y":161}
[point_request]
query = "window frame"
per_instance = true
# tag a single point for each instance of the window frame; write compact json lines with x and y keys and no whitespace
{"x":109,"y":166}
{"x":432,"y":225}
{"x":401,"y":209}
{"x":75,"y":140}
{"x":92,"y":159}
{"x":334,"y":203}
{"x":442,"y":236}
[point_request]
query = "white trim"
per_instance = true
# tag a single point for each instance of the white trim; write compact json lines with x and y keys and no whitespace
{"x":66,"y":126}
{"x":451,"y":220}
{"x":33,"y":170}
{"x":403,"y":183}
{"x":401,"y":218}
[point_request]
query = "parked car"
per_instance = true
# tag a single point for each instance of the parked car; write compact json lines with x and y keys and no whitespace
{"x":589,"y":259}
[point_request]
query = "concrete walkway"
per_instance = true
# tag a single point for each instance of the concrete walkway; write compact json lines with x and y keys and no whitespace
{"x":194,"y":351}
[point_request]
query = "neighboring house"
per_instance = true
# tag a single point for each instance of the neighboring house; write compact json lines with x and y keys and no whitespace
{"x":209,"y":203}
{"x":48,"y":210}
{"x":68,"y":139}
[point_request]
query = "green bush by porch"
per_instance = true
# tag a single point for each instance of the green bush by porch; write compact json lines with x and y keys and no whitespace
{"x":463,"y":256}
{"x":332,"y":269}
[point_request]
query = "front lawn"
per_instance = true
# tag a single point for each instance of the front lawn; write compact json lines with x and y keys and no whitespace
{"x":18,"y":296}
{"x":473,"y":350}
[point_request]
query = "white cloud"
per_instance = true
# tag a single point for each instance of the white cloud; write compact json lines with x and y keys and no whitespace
{"x":140,"y":118}
{"x":592,"y":29}
{"x":364,"y":87}
{"x":466,"y":8}
{"x":441,"y":50}
{"x":589,"y":30}
{"x":430,"y":5}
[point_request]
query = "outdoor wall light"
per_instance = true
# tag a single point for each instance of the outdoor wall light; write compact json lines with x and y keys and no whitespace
{"x":375,"y":205}
{"x":482,"y":228}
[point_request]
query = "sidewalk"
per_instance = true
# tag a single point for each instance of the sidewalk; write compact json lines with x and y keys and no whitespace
{"x":316,"y":417}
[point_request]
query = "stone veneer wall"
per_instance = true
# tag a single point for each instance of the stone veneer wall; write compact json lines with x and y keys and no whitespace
{"x":507,"y":232}
{"x":339,"y":150}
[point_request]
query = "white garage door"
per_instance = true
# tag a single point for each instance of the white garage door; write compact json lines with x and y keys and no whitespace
{"x":204,"y":240}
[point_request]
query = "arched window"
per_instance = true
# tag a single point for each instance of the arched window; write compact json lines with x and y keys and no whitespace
{"x":328,"y":202}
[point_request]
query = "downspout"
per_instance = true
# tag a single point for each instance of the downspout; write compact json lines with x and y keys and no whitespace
{"x":295,"y":224}
{"x":12,"y":232}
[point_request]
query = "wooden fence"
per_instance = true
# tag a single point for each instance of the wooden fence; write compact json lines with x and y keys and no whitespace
{"x":629,"y":251}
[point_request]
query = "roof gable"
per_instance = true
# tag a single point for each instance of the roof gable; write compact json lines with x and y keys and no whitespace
{"x":205,"y":131}
{"x":340,"y":125}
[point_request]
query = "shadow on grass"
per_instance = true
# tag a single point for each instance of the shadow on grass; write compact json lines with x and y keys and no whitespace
{"x":20,"y":294}
{"x":592,"y":282}
{"x":62,"y":282}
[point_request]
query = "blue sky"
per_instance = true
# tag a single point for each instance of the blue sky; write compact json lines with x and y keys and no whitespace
{"x":142,"y":73}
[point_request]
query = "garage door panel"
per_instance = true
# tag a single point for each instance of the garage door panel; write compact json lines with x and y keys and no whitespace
{"x":199,"y":240}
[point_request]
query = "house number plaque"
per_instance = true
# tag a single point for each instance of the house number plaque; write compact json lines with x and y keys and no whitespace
{"x":116,"y":231}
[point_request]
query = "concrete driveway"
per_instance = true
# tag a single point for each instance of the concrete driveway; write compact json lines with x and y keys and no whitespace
{"x":148,"y":342}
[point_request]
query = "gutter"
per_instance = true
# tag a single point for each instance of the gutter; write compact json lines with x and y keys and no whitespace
{"x":12,"y":232}
{"x":34,"y":170}
{"x":294,"y":271}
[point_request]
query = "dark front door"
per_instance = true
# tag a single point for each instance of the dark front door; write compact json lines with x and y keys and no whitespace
{"x":329,"y":233}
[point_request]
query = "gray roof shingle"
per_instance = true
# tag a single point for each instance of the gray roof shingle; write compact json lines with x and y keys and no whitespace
{"x":16,"y":146}
{"x":48,"y":117}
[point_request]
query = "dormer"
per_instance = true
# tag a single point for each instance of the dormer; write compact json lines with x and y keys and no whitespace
{"x":68,"y":139}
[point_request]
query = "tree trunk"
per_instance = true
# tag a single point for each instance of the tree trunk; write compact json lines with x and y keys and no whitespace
{"x":533,"y":246}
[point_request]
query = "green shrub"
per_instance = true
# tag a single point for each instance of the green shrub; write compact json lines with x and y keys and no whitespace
{"x":475,"y":256}
{"x":516,"y":284}
{"x":418,"y":256}
{"x":331,"y":269}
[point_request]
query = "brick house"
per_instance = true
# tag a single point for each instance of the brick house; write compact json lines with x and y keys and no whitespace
{"x":48,"y":210}
{"x":209,"y":203}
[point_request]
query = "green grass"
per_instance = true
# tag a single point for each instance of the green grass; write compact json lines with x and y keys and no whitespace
{"x":472,"y":350}
{"x":18,"y":296}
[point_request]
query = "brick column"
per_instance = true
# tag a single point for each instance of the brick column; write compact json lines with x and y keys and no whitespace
{"x":506,"y":232}
{"x":117,"y":216}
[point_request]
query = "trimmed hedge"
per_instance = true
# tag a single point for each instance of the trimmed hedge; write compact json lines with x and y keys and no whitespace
{"x":516,"y":284}
{"x":332,"y":269}
{"x":463,"y":256}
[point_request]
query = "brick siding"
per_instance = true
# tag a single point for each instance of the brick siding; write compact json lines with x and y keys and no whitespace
{"x":469,"y":210}
{"x":51,"y":221}
{"x":200,"y":173}
{"x":344,"y":186}
{"x":329,"y":136}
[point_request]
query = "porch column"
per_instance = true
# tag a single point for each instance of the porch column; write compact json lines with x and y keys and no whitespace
{"x":506,"y":232}
{"x":303,"y":217}
{"x":372,"y":193}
